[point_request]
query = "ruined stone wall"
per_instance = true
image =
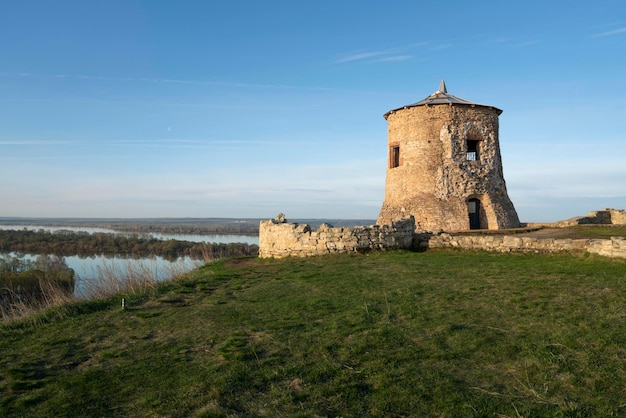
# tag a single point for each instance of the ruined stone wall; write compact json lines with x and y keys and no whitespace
{"x":500,"y":243}
{"x":434,"y":179}
{"x":607,"y":216}
{"x":614,"y":247}
{"x":618,"y":217}
{"x":278,"y":238}
{"x":599,"y":217}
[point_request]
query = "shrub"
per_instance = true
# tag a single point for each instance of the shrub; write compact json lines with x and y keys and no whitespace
{"x":26,"y":286}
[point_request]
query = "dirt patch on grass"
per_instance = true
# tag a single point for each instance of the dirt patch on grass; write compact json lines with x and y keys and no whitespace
{"x":555,"y":233}
{"x":240,"y":262}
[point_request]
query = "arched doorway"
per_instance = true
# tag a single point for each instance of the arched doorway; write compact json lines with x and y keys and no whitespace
{"x":473,"y":209}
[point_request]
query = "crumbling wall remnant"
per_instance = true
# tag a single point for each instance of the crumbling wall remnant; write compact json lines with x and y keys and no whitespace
{"x":605,"y":216}
{"x":279,"y":238}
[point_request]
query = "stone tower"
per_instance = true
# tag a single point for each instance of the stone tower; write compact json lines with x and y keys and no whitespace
{"x":444,"y":166}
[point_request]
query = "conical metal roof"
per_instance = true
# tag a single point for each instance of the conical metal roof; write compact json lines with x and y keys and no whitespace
{"x":441,"y":96}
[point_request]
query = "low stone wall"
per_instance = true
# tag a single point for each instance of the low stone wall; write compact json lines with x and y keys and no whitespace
{"x":614,"y":247}
{"x":278,"y":239}
{"x":501,"y":243}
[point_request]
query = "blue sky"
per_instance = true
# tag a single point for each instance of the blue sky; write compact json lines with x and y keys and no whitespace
{"x":249,"y":108}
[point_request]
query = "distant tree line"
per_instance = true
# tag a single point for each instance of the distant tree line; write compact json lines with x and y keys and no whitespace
{"x":214,"y":229}
{"x":192,"y":226}
{"x":84,"y":244}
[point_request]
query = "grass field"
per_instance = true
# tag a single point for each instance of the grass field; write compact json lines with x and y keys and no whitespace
{"x":439,"y":333}
{"x":600,"y":231}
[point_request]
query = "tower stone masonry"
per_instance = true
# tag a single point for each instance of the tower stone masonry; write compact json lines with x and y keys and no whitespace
{"x":444,"y":166}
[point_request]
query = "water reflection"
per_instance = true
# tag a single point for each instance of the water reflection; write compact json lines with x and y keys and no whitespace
{"x":91,"y":272}
{"x":217,"y":238}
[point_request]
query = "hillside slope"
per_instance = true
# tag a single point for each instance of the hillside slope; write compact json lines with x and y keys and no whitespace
{"x":382,"y":334}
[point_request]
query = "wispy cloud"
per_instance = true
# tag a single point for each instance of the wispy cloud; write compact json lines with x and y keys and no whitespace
{"x":385,"y":55}
{"x":53,"y":158}
{"x":152,"y":141}
{"x":165,"y":81}
{"x":372,"y":56}
{"x":148,"y":143}
{"x":396,"y":54}
{"x":36,"y":142}
{"x":196,"y":143}
{"x":200,"y":105}
{"x":520,"y":43}
{"x":610,"y":33}
{"x":107,"y":141}
{"x":395,"y":58}
{"x":359,"y":56}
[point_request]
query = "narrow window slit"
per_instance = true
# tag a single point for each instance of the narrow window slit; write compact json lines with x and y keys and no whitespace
{"x":472,"y":150}
{"x":394,"y":157}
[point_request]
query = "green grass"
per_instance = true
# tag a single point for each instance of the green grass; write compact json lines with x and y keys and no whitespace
{"x":600,"y":231}
{"x":384,"y":334}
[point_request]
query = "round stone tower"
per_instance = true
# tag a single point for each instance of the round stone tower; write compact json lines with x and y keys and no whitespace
{"x":444,"y":166}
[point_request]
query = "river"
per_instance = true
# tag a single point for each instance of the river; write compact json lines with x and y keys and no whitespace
{"x":90,"y":270}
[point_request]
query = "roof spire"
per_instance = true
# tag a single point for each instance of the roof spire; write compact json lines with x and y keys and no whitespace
{"x":442,"y":87}
{"x":442,"y":96}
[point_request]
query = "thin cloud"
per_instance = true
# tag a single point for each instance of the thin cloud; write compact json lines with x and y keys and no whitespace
{"x":395,"y":58}
{"x":201,"y":144}
{"x":387,"y":55}
{"x":177,"y":81}
{"x":307,"y":190}
{"x":54,"y":158}
{"x":177,"y":142}
{"x":152,"y":141}
{"x":514,"y":42}
{"x":359,"y":56}
{"x":610,"y":33}
{"x":168,"y":81}
{"x":397,"y":54}
{"x":374,"y":56}
{"x":170,"y":104}
{"x":37,"y":142}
